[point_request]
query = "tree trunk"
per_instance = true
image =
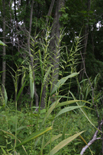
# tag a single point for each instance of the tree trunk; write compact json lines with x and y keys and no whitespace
{"x":50,"y":10}
{"x":26,"y":15}
{"x":55,"y":45}
{"x":43,"y":96}
{"x":4,"y":49}
{"x":85,"y":35}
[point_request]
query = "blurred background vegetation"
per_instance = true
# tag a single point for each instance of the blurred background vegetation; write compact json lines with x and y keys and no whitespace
{"x":51,"y":68}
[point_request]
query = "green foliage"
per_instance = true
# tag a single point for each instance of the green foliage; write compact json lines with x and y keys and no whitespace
{"x":32,"y":122}
{"x":63,"y":143}
{"x":3,"y":97}
{"x":62,"y":81}
{"x":66,"y":109}
{"x":33,"y":136}
{"x":40,"y":121}
{"x":31,"y":82}
{"x":67,"y":121}
{"x":1,"y":43}
{"x":25,"y":131}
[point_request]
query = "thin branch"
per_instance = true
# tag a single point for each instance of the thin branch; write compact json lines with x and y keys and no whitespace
{"x":93,"y":139}
{"x":50,"y":10}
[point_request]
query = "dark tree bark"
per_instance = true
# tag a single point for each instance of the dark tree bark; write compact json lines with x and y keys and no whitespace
{"x":85,"y":40}
{"x":50,"y":10}
{"x":26,"y":15}
{"x":4,"y":48}
{"x":43,"y":97}
{"x":55,"y":44}
{"x":54,"y":47}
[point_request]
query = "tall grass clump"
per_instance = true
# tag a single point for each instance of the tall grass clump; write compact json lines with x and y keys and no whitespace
{"x":33,"y":131}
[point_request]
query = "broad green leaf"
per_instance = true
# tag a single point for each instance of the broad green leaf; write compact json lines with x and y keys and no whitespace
{"x":31,"y":82}
{"x":1,"y":43}
{"x":62,"y":81}
{"x":66,"y":109}
{"x":64,"y":143}
{"x":51,"y":109}
{"x":70,"y":102}
{"x":41,"y":65}
{"x":5,"y":96}
{"x":84,"y":112}
{"x":21,"y":89}
{"x":66,"y":103}
{"x":35,"y":135}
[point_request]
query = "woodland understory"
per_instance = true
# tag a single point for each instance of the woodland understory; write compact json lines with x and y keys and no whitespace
{"x":51,"y":85}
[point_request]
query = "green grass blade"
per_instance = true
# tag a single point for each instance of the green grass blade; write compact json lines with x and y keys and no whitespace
{"x":84,"y":113}
{"x":51,"y":109}
{"x":5,"y":96}
{"x":3,"y":151}
{"x":44,"y":81}
{"x":67,"y":109}
{"x":41,"y":65}
{"x":31,"y":82}
{"x":7,"y":133}
{"x":64,"y":143}
{"x":70,"y":102}
{"x":20,"y":91}
{"x":1,"y":43}
{"x":62,"y":81}
{"x":66,"y":103}
{"x":33,"y":136}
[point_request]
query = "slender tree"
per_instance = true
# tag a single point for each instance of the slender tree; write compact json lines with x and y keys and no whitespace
{"x":54,"y":46}
{"x":85,"y":40}
{"x":4,"y":48}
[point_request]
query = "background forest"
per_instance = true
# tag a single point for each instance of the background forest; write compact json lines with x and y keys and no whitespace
{"x":51,"y":83}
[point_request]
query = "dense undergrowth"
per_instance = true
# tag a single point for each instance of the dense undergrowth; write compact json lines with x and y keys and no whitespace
{"x":28,"y":123}
{"x":62,"y":127}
